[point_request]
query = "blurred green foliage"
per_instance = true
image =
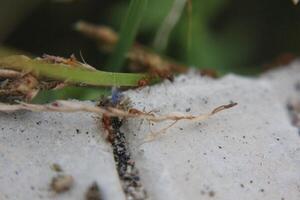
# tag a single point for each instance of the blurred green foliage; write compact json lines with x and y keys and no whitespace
{"x":128,"y":32}
{"x":226,"y":35}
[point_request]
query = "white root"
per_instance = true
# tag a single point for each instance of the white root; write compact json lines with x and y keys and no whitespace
{"x":77,"y":106}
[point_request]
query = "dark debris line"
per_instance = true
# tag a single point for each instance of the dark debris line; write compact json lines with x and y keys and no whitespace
{"x":293,"y":107}
{"x":128,"y":173}
{"x":294,"y":114}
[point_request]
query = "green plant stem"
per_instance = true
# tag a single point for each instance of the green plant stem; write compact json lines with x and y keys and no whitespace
{"x":70,"y":74}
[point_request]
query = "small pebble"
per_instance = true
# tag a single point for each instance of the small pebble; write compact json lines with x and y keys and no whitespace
{"x":93,"y":192}
{"x":62,"y":183}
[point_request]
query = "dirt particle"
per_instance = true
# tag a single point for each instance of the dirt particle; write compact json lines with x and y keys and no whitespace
{"x":77,"y":131}
{"x":251,"y":181}
{"x":262,"y":190}
{"x":219,"y":147}
{"x":38,"y":122}
{"x":211,"y":193}
{"x":93,"y":192}
{"x":188,"y":110}
{"x":242,"y":185}
{"x":277,"y":139}
{"x":297,"y":86}
{"x":244,"y":137}
{"x":56,"y":167}
{"x":62,"y":183}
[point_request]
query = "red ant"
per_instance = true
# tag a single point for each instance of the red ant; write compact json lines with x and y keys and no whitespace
{"x":143,"y":82}
{"x":107,"y":125}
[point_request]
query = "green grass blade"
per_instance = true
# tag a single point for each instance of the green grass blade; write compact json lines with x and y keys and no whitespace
{"x":128,"y":33}
{"x":70,"y":74}
{"x":71,"y":92}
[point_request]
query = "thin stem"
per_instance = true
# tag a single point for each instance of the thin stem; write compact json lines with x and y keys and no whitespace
{"x":70,"y":74}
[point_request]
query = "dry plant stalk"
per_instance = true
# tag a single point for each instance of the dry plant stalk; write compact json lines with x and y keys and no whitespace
{"x":22,"y":85}
{"x":295,"y":2}
{"x":18,"y":86}
{"x":7,"y":73}
{"x":168,"y":24}
{"x":76,"y":106}
{"x":139,"y":56}
{"x":72,"y":61}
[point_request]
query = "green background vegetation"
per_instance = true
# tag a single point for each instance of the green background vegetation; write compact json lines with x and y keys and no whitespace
{"x":226,"y":35}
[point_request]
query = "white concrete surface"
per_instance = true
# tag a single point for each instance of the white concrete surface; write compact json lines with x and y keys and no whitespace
{"x":31,"y":142}
{"x":285,"y":81}
{"x":248,"y":152}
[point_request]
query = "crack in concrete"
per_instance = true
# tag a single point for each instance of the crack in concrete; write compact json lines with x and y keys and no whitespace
{"x":293,"y":108}
{"x":128,"y":173}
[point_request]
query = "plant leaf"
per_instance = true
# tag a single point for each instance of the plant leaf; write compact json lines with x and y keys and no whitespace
{"x":128,"y":33}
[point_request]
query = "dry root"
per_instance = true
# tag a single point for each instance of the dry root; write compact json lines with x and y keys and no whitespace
{"x":76,"y":106}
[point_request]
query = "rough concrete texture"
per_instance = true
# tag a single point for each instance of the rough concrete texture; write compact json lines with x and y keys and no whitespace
{"x":248,"y":152}
{"x":31,"y":142}
{"x":285,"y":81}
